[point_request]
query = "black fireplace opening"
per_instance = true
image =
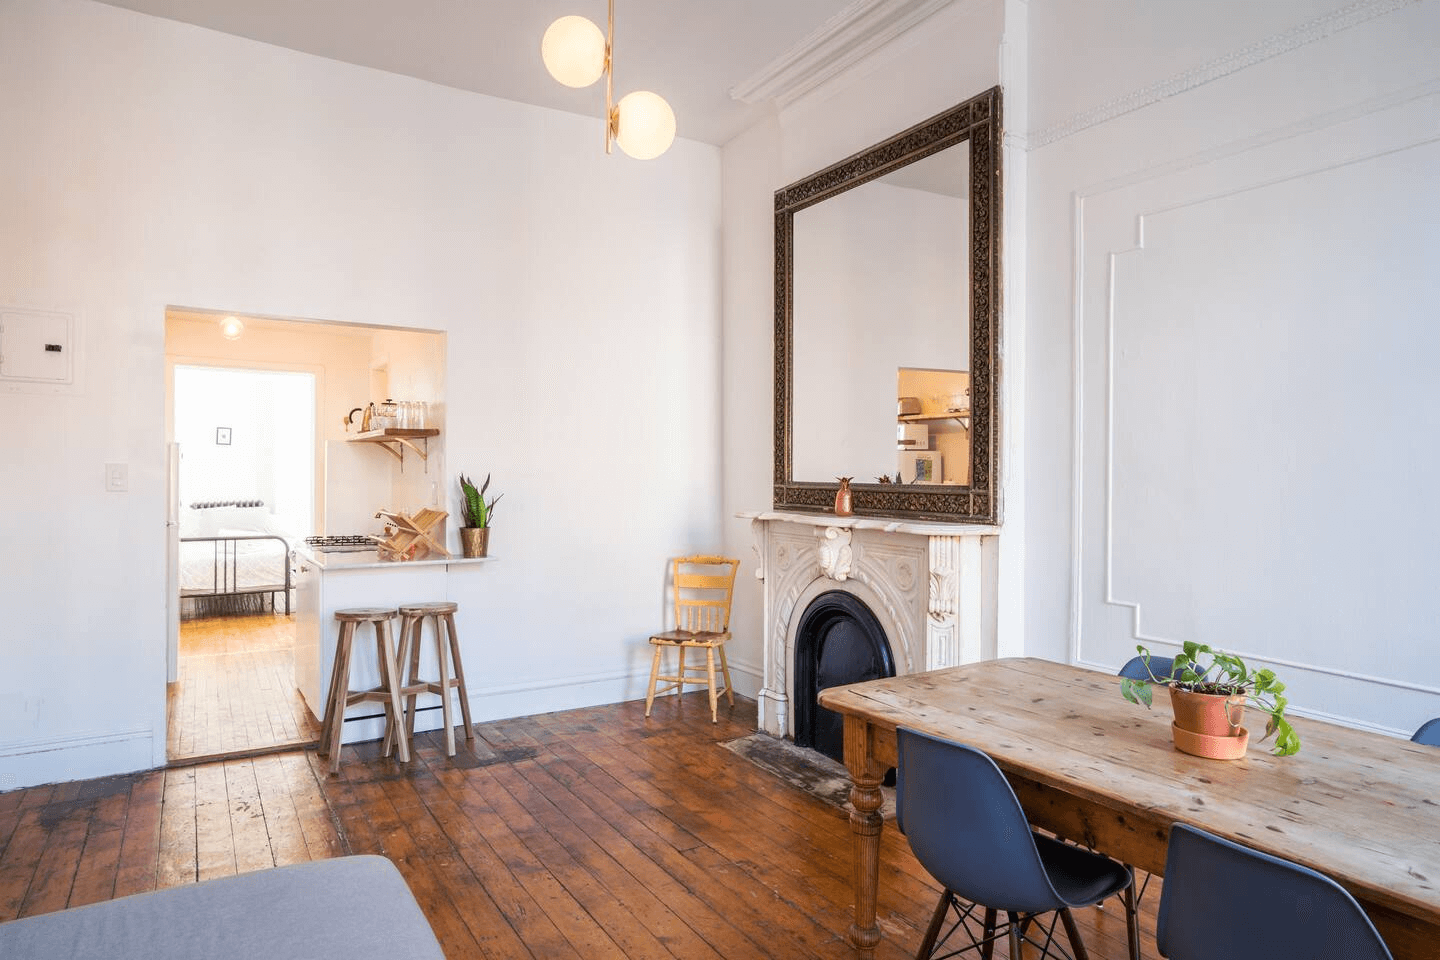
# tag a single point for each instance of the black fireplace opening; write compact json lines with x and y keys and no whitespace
{"x":837,"y":641}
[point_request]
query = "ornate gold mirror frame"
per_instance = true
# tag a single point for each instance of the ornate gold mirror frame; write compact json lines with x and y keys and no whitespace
{"x":978,"y":122}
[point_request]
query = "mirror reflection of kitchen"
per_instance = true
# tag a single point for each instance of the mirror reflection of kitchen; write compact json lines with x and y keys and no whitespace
{"x":932,"y":431}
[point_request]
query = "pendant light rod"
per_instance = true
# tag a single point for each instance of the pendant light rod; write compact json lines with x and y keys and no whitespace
{"x":612,"y":116}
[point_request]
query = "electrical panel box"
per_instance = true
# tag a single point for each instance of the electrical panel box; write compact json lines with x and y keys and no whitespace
{"x":36,"y":347}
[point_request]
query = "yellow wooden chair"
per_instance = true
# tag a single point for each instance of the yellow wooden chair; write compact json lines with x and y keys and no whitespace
{"x":702,"y":621}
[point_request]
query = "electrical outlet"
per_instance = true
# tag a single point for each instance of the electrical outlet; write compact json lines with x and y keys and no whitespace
{"x":117,"y":477}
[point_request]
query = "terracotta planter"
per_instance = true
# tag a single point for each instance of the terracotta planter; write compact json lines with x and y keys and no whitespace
{"x":475,"y":541}
{"x":1208,"y":725}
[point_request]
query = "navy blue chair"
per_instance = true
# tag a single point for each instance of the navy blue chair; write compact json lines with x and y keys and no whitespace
{"x":1134,"y":668}
{"x":1428,"y":734}
{"x":1223,"y":900}
{"x":969,"y":831}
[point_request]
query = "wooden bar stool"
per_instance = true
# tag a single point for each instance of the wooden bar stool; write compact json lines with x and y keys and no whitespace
{"x":388,"y":693}
{"x":447,"y":655}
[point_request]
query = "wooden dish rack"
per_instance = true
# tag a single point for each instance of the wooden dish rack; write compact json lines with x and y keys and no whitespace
{"x":414,"y":536}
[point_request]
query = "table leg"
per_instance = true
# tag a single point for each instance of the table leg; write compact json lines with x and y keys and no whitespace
{"x":866,"y":824}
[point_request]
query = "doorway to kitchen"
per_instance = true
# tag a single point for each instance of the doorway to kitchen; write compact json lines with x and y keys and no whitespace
{"x":243,"y":496}
{"x":268,"y":460}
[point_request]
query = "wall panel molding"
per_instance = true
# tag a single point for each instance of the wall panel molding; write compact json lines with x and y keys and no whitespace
{"x":1273,"y":46}
{"x":1090,"y":251}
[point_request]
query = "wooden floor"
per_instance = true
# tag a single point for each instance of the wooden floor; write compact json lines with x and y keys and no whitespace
{"x":589,"y":833}
{"x":235,"y":692}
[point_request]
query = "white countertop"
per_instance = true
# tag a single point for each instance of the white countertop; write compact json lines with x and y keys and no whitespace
{"x":370,"y":560}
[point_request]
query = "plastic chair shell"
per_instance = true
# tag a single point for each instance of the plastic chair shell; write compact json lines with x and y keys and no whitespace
{"x":1224,"y":901}
{"x":966,"y":826}
{"x":1428,"y":734}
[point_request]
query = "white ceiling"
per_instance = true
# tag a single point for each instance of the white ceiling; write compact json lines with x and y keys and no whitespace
{"x":692,"y":52}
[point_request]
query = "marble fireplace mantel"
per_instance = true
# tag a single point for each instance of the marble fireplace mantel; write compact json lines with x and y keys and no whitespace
{"x":930,"y":584}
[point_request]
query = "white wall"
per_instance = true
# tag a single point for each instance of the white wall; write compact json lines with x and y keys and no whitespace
{"x":150,"y":163}
{"x":953,"y":56}
{"x":1230,"y":341}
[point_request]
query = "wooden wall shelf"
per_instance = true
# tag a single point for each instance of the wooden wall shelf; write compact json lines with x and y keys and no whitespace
{"x":396,"y":439}
{"x":961,"y":415}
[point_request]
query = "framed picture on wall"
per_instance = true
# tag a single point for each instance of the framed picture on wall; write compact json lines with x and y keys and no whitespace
{"x":222,"y":436}
{"x":920,"y":466}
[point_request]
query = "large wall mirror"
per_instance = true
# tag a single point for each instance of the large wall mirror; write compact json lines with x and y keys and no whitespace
{"x":887,"y":297}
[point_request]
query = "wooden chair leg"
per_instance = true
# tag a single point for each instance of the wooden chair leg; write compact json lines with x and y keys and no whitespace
{"x":459,"y":666}
{"x":397,"y":714}
{"x":932,"y":932}
{"x":442,"y":657}
{"x":987,"y":946}
{"x":654,"y":676}
{"x":1132,"y":920}
{"x":402,"y":655}
{"x":710,"y":680}
{"x":1014,"y":931}
{"x":323,"y":748}
{"x":337,"y":705}
{"x":1077,"y":946}
{"x":413,"y":624}
{"x":387,"y":746}
{"x":725,"y":669}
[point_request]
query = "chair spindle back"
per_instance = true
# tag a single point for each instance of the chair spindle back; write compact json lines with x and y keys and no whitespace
{"x":702,"y":595}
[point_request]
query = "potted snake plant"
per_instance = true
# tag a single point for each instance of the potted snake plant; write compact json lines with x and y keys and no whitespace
{"x":475,"y":534}
{"x":1208,"y":693}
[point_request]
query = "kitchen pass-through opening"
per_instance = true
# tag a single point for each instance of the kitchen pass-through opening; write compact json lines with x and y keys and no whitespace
{"x":259,"y":428}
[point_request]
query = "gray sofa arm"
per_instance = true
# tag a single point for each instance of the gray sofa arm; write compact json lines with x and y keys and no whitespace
{"x":351,"y":908}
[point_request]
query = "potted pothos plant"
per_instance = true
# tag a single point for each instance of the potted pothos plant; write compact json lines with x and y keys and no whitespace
{"x":1208,"y":692}
{"x":475,"y":534}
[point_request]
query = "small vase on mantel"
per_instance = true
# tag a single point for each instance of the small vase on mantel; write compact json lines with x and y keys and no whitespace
{"x":844,"y":499}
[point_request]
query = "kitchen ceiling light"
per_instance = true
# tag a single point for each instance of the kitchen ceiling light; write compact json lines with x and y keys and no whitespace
{"x":577,"y":54}
{"x":231,"y":328}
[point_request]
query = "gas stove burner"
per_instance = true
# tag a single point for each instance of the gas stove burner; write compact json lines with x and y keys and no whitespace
{"x":341,"y":543}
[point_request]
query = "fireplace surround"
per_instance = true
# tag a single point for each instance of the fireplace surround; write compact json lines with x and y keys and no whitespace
{"x":923,"y":582}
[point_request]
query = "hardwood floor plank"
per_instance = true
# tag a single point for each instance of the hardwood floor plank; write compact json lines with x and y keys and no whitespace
{"x":55,"y":872}
{"x":657,"y":892}
{"x":235,"y":692}
{"x":99,"y":865}
{"x":588,"y":833}
{"x":636,"y":922}
{"x":704,"y":868}
{"x":367,"y":787}
{"x":22,"y":856}
{"x":248,"y":826}
{"x":519,"y":927}
{"x":283,"y":834}
{"x":214,"y":839}
{"x":317,"y":822}
{"x":138,"y":869}
{"x":177,"y":855}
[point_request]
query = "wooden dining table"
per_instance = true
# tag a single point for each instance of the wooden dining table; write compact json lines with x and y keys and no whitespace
{"x":1360,"y":807}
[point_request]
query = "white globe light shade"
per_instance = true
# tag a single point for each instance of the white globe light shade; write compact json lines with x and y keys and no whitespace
{"x":573,"y":49}
{"x":231,"y":328}
{"x":645,"y":125}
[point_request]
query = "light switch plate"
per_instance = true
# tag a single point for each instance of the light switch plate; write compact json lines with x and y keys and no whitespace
{"x":117,"y":477}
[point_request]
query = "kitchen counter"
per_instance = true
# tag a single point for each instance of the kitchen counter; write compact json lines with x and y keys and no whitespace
{"x":326,"y":582}
{"x":367,"y":559}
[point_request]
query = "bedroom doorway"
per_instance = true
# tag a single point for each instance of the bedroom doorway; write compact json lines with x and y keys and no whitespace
{"x":242,"y":494}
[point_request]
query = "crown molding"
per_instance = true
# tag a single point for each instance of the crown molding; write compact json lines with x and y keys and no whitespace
{"x":840,"y":42}
{"x":1307,"y":33}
